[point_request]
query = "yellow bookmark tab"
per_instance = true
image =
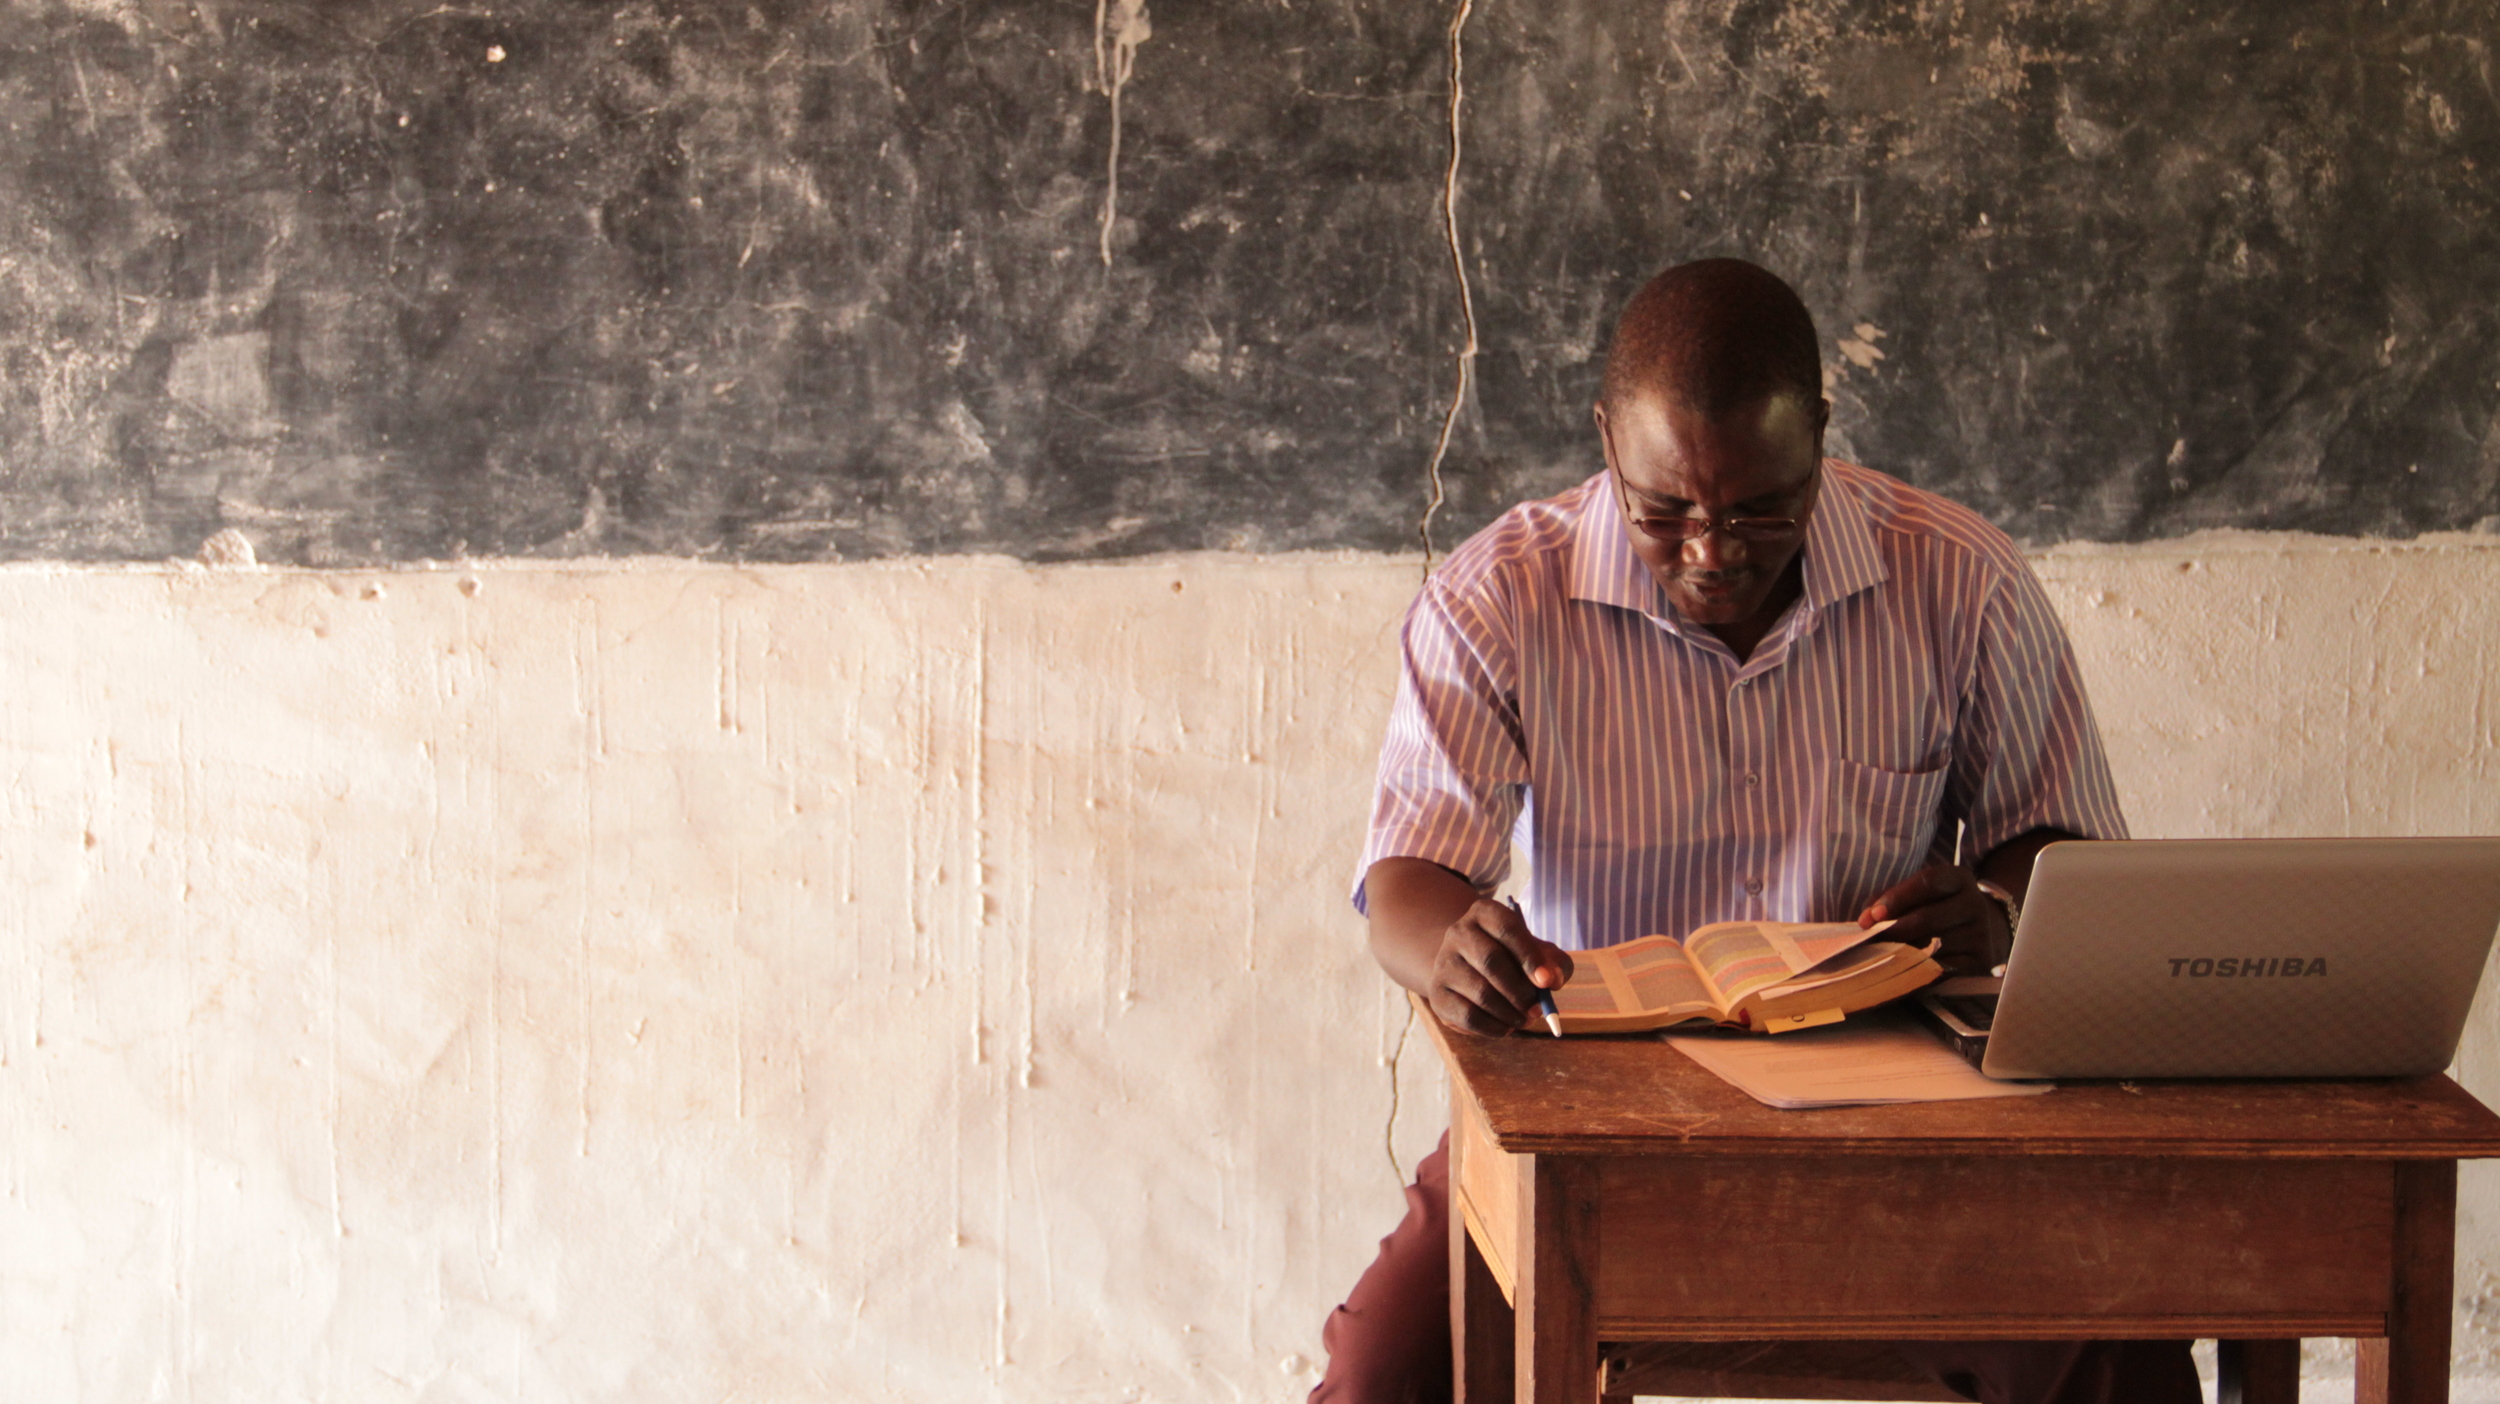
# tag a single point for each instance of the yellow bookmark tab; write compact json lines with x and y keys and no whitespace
{"x":1790,"y":1023}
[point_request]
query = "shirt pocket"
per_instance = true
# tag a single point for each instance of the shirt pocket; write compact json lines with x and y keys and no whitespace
{"x":1879,"y":826}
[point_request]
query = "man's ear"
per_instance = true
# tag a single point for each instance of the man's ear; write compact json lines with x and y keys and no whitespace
{"x":1605,"y":441}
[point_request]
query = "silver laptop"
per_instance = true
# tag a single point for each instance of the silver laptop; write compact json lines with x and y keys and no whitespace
{"x":2246,"y":958}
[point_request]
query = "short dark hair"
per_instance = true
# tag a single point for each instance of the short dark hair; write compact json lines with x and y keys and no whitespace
{"x":1711,"y":336}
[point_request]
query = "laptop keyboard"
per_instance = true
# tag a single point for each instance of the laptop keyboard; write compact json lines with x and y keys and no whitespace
{"x":1978,"y":1011}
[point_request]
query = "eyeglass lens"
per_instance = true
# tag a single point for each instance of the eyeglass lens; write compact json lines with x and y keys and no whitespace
{"x":1742,"y":528}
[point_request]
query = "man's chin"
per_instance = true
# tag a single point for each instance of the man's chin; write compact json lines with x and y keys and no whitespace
{"x":1711,"y":608}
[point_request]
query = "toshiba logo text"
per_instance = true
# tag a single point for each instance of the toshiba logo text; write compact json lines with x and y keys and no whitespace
{"x":2198,"y":967}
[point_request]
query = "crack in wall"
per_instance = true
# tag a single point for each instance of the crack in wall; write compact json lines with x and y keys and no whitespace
{"x":1458,"y":262}
{"x":1119,"y":27}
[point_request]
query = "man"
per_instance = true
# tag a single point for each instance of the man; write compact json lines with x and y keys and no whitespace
{"x":1725,"y":678}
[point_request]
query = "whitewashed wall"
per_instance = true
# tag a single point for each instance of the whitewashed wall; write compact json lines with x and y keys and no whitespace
{"x":899,"y":982}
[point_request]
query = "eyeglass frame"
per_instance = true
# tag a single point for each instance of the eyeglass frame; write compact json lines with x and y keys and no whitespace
{"x":1753,"y":531}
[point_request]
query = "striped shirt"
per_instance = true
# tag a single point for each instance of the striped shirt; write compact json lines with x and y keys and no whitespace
{"x":1919,"y":690}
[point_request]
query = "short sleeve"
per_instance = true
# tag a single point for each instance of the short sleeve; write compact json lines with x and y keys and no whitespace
{"x":1453,"y":766}
{"x":2027,"y":752}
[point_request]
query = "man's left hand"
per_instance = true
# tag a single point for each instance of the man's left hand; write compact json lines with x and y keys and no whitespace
{"x":1943,"y":903}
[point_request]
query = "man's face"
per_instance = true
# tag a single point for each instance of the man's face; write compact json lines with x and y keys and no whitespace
{"x":1755,"y":464}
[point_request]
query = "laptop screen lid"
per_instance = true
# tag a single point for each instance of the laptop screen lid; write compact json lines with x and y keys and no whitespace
{"x":2246,"y":958}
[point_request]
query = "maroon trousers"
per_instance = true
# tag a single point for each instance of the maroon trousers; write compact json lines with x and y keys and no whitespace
{"x":1390,"y":1342}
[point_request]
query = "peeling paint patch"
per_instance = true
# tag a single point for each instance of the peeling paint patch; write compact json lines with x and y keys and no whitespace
{"x":228,"y":549}
{"x":1859,"y":345}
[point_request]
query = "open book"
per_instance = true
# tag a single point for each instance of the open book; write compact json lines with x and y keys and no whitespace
{"x":1767,"y":976}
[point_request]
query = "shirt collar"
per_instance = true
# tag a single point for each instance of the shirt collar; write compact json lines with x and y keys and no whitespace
{"x":1840,"y":555}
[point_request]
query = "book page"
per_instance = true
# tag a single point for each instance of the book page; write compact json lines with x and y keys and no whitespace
{"x":1647,"y":975}
{"x":1844,"y":966}
{"x":1820,"y":942}
{"x":1736,"y":958}
{"x":1662,"y":978}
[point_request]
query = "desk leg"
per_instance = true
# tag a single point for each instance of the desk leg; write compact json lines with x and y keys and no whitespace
{"x":1556,"y":1324}
{"x":2258,"y":1372}
{"x":2410,"y":1366}
{"x":1481,"y":1324}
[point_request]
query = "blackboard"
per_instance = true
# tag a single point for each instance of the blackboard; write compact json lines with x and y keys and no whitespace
{"x":375,"y":281}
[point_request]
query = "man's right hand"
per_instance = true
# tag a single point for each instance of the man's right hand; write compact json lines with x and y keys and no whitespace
{"x":1475,"y":962}
{"x":1491,"y":970}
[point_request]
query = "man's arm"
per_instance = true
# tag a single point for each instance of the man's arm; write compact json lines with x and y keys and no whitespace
{"x":1474,"y":961}
{"x":1942,"y":902}
{"x":2008,"y":865}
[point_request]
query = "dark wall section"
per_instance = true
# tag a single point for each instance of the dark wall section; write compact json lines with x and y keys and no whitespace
{"x":822,"y":279}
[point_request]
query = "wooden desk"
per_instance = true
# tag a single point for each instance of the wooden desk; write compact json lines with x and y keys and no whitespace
{"x":1612,"y":1190}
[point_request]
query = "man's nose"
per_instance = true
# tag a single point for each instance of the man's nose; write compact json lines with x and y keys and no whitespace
{"x":1715,"y":548}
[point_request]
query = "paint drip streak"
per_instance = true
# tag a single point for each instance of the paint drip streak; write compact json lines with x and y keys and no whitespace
{"x":1117,"y":33}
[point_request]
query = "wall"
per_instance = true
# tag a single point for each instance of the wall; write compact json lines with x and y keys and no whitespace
{"x":885,"y":982}
{"x":616,"y":978}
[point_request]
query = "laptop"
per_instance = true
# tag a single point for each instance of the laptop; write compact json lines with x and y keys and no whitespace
{"x":2236,"y":958}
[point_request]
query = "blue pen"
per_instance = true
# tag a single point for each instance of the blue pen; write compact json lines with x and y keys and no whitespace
{"x":1544,"y":998}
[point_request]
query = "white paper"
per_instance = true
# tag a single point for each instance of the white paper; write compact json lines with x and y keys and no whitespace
{"x":1858,"y":1062}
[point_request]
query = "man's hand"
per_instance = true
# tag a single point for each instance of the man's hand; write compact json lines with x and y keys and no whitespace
{"x":1491,"y":968}
{"x":1475,"y":962}
{"x":1942,"y":902}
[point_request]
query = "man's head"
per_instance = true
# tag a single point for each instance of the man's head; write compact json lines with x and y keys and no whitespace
{"x":1712,"y":418}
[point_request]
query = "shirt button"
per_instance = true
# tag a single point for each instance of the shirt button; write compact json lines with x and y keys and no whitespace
{"x":1752,"y":779}
{"x":1753,"y":887}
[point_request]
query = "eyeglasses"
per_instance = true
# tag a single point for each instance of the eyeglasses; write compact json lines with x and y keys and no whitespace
{"x":1679,"y":530}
